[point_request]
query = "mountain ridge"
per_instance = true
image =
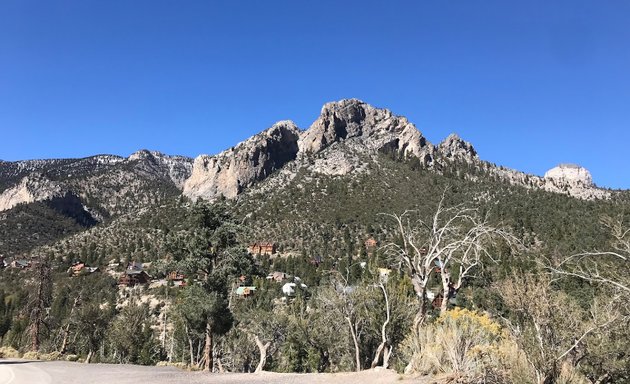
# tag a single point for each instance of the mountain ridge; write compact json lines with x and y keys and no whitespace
{"x":347,"y":127}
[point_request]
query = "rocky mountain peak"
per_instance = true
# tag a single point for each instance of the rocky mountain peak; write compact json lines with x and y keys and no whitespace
{"x":229,"y":172}
{"x":376,"y":128}
{"x":455,"y":148}
{"x":573,"y":180}
{"x":144,"y":154}
{"x":570,"y":174}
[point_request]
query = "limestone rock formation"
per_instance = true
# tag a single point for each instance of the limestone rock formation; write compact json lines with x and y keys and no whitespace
{"x":455,"y":148}
{"x":377,"y":128}
{"x":229,"y":172}
{"x":570,"y":174}
{"x":31,"y":188}
{"x":154,"y":163}
{"x":573,"y":180}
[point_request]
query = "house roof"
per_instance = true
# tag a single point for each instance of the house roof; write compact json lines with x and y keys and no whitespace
{"x":262,"y":244}
{"x":135,"y":272}
{"x":243,"y":290}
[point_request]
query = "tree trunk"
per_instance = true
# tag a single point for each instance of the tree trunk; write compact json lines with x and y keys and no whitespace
{"x":446,"y":291}
{"x":190,"y":347}
{"x":387,"y":352}
{"x":64,"y":342}
{"x":41,"y":301}
{"x":421,"y":292}
{"x":220,"y":365}
{"x":35,"y":329}
{"x":66,"y":331}
{"x":262,"y":348}
{"x":89,"y":356}
{"x":356,"y":344}
{"x":208,"y":364}
{"x":383,"y":346}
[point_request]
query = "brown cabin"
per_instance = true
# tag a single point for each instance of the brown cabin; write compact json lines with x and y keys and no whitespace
{"x":134,"y":275}
{"x":277,"y":276}
{"x":133,"y":278}
{"x":175,"y":276}
{"x":262,"y":248}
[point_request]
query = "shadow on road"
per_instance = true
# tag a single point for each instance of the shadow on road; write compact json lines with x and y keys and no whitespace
{"x":20,"y":362}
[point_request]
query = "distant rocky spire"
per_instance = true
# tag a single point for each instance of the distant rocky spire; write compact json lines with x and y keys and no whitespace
{"x":571,"y":175}
{"x":455,"y":148}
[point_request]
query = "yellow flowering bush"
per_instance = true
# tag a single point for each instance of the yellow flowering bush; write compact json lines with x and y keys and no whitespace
{"x":462,"y":342}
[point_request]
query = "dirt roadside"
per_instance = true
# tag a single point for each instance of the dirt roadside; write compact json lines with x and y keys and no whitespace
{"x":23,"y":371}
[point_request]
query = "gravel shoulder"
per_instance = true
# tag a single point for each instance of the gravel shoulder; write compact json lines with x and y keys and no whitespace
{"x":13,"y":371}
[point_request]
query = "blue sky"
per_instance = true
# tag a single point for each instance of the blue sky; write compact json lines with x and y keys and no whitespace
{"x":530,"y":84}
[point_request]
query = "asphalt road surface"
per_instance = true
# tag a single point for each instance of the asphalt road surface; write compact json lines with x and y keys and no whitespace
{"x":14,"y":371}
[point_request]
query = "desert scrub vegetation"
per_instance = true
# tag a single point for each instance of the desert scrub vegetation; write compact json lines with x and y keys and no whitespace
{"x":466,"y":344}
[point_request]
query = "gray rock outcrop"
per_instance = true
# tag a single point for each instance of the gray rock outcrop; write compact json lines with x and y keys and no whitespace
{"x":156,"y":164}
{"x":30,"y":189}
{"x":455,"y":148}
{"x":570,"y":174}
{"x":377,"y":128}
{"x":229,"y":172}
{"x":573,"y":180}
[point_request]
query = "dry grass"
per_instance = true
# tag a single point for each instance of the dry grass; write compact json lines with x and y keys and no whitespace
{"x":8,"y":353}
{"x":466,"y":346}
{"x":31,"y":355}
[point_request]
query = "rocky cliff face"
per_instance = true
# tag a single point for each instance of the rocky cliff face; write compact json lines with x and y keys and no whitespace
{"x":570,"y":174}
{"x":377,"y":128}
{"x":338,"y":143}
{"x":31,"y":188}
{"x":353,"y":124}
{"x":573,"y":180}
{"x":112,"y":184}
{"x":455,"y":148}
{"x":157,"y":164}
{"x":346,"y":135}
{"x":229,"y":172}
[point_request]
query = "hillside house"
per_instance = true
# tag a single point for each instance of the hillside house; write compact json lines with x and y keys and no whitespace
{"x":246,"y":291}
{"x":79,"y":267}
{"x":277,"y":276}
{"x":177,"y":278}
{"x":134,"y":275}
{"x":262,"y":248}
{"x":316,"y":261}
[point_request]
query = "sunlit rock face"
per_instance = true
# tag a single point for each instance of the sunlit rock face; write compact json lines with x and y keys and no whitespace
{"x":571,"y":174}
{"x":573,"y":180}
{"x":229,"y":172}
{"x":375,"y":128}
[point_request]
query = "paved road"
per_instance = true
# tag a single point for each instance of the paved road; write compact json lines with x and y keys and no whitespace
{"x":16,"y":372}
{"x":61,"y":372}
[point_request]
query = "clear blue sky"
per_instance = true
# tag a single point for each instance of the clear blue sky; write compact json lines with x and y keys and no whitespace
{"x":529,"y":83}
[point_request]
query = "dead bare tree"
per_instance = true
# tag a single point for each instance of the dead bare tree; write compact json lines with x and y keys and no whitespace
{"x":341,"y":298}
{"x":610,"y":268}
{"x":548,"y":325}
{"x":455,"y":238}
{"x":267,"y":330}
{"x":383,"y":348}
